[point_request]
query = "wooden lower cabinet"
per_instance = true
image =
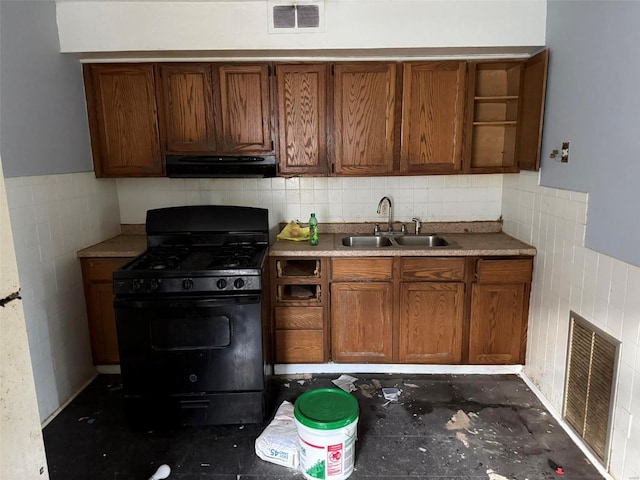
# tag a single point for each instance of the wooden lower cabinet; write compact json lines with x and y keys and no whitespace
{"x":362,"y":294}
{"x":431,"y":322}
{"x":431,"y":317}
{"x":499,"y":311}
{"x":299,"y":302}
{"x":98,"y":292}
{"x":410,"y":310}
{"x":299,"y":334}
{"x":362,"y":328}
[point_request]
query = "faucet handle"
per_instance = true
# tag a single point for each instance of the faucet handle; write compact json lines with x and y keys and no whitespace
{"x":403,"y":229}
{"x":376,"y":229}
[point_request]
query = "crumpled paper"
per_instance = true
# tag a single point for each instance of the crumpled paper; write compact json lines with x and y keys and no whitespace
{"x":346,"y":383}
{"x":293,"y":231}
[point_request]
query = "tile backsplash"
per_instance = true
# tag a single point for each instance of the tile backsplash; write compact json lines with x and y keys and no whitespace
{"x":431,"y":198}
{"x":52,"y":217}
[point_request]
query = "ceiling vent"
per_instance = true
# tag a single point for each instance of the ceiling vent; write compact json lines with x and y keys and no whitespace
{"x":296,"y":16}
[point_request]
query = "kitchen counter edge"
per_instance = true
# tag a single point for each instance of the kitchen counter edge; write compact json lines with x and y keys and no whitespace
{"x":461,"y":245}
{"x":124,"y":245}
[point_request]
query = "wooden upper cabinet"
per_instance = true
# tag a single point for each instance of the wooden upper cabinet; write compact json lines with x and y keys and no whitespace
{"x":302,"y":118}
{"x":187,"y":107}
{"x":364,"y":103}
{"x":123,"y":121}
{"x":432,"y":117}
{"x":505,"y":106}
{"x":245,"y":108}
{"x":530,"y":116}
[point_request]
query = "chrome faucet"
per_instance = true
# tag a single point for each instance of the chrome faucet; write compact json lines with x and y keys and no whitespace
{"x":418,"y":224}
{"x":382,"y":200}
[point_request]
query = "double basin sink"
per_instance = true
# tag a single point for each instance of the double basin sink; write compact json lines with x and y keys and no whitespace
{"x":380,"y":241}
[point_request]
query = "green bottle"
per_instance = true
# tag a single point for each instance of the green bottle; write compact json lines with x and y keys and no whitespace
{"x":313,"y":230}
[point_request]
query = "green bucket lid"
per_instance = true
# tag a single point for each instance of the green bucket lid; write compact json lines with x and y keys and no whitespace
{"x":326,"y":409}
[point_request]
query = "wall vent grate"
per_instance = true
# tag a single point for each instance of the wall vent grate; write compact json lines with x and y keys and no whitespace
{"x":296,"y":16}
{"x":589,"y":389}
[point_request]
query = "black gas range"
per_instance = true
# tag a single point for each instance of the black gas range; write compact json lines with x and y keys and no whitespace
{"x":192,"y":318}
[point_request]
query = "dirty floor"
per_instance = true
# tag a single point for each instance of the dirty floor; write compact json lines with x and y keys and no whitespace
{"x":443,"y":427}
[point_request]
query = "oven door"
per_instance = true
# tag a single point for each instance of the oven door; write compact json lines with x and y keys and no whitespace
{"x":189,"y":345}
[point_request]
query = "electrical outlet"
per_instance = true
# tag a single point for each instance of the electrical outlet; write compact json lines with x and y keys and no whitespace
{"x":564,"y":156}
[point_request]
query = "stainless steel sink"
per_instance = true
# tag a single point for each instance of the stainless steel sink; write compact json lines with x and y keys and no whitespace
{"x":421,"y":241}
{"x":369,"y":241}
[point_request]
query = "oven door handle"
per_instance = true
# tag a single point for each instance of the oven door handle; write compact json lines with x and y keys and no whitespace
{"x":186,"y":302}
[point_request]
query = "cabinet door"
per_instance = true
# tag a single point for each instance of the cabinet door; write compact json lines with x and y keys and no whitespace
{"x":302,"y":118}
{"x":497,"y":333}
{"x":361,"y":322}
{"x":123,"y":122}
{"x":187,"y":107}
{"x":364,"y":113}
{"x":432,"y":117}
{"x":530,"y":116}
{"x":431,"y":317}
{"x":245,"y":108}
{"x":98,"y":289}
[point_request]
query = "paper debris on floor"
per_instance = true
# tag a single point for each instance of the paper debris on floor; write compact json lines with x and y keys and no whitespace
{"x":278,"y":443}
{"x":459,"y":421}
{"x":346,"y":383}
{"x":367,"y":390}
{"x":391,"y":394}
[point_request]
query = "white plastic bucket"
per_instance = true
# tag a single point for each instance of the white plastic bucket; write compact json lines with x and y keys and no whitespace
{"x":327,"y":421}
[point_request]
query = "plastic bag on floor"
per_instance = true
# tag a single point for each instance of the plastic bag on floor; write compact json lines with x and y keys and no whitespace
{"x":278,"y":443}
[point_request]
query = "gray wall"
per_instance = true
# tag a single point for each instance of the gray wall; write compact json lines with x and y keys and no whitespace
{"x":593,"y":101}
{"x":43,"y":119}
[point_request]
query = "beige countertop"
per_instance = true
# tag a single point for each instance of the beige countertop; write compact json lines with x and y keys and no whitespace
{"x":460,"y":245}
{"x":127,"y":245}
{"x":482,"y":239}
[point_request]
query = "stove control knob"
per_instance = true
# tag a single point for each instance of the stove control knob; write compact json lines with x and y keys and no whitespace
{"x":238,"y":283}
{"x":187,"y":284}
{"x":153,"y":285}
{"x":221,"y":284}
{"x":136,"y":285}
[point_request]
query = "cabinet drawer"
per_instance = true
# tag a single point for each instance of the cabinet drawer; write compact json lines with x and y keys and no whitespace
{"x":101,"y":269}
{"x":305,"y":293}
{"x":361,"y":268}
{"x":299,"y":318}
{"x":299,"y":346}
{"x":298,"y":268}
{"x":504,"y":271}
{"x":433,"y":269}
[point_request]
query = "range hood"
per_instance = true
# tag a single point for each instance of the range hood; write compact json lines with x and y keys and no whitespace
{"x":214,"y":166}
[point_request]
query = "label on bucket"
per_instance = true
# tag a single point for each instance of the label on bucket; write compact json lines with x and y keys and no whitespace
{"x":334,"y":461}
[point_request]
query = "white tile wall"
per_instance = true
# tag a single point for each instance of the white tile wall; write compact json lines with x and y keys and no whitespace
{"x":432,"y":198}
{"x":568,"y":276}
{"x":52,"y":217}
